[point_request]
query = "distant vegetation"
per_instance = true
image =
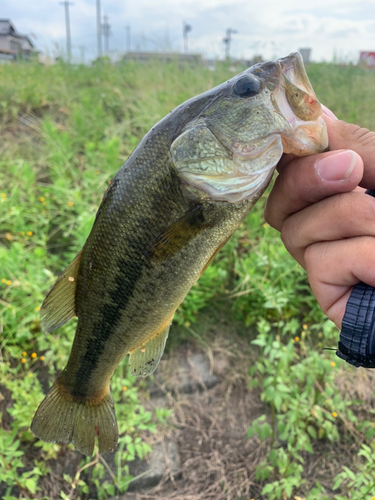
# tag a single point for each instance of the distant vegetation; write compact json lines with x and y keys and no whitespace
{"x":65,"y":131}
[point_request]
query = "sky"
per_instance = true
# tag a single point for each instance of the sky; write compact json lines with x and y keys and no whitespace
{"x":333,"y":29}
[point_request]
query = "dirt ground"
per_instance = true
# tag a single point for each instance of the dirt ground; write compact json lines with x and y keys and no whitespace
{"x":217,"y":460}
{"x":209,"y":427}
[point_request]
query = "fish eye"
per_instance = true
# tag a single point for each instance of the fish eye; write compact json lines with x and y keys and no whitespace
{"x":247,"y":86}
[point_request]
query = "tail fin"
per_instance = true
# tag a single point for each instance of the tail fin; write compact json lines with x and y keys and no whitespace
{"x":61,"y":420}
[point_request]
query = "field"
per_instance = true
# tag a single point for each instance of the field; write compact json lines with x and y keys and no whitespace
{"x":65,"y":131}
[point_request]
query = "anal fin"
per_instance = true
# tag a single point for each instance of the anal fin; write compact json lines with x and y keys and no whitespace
{"x":144,"y":359}
{"x":59,"y":305}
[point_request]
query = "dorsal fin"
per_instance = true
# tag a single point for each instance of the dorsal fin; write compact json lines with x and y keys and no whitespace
{"x":59,"y":305}
{"x":144,"y":359}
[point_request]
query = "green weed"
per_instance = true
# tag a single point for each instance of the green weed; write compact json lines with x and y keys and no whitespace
{"x":65,"y":131}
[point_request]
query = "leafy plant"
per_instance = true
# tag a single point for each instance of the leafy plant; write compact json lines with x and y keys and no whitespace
{"x":65,"y":132}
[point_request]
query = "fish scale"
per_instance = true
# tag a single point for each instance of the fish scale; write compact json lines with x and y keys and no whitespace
{"x":176,"y":201}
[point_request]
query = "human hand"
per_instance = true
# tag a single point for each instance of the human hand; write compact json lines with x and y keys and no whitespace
{"x":326,"y":221}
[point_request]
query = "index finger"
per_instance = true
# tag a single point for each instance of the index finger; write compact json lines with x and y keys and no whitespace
{"x":361,"y":140}
{"x":310,"y":179}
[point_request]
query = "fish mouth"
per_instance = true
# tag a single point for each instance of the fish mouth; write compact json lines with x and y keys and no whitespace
{"x":293,"y":68}
{"x":295,"y":100}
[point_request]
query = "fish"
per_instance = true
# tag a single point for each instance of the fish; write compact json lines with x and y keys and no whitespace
{"x":171,"y":207}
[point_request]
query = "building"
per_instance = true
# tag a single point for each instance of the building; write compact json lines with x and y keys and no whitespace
{"x":12,"y":43}
{"x":367,"y":59}
{"x":306,"y":55}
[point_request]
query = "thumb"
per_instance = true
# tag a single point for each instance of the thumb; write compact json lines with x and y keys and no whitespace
{"x":344,"y":135}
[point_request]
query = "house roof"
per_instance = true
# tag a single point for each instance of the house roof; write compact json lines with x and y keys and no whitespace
{"x":7,"y":28}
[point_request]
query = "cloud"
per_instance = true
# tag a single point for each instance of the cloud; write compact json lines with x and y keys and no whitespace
{"x":355,"y":11}
{"x":370,"y":28}
{"x":345,"y":33}
{"x":270,"y":27}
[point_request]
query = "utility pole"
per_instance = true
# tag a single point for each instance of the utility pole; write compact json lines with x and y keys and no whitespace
{"x":82,"y":48}
{"x":186,"y":28}
{"x":227,"y":40}
{"x":67,"y":25}
{"x":128,"y":40}
{"x":98,"y":28}
{"x":106,"y":27}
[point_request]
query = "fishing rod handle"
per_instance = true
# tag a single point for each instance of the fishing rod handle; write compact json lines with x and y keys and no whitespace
{"x":357,"y":336}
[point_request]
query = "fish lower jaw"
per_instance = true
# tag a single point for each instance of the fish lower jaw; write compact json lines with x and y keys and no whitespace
{"x":246,"y":175}
{"x":232,"y":189}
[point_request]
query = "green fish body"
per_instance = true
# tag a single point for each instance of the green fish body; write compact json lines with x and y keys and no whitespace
{"x":176,"y":201}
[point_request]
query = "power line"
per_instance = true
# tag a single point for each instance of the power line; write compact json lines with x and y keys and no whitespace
{"x":98,"y":28}
{"x":82,"y":48}
{"x":67,"y":25}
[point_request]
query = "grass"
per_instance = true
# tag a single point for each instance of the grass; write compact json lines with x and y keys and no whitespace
{"x":65,"y":132}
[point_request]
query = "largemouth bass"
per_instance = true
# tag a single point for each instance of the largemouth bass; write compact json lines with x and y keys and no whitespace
{"x":172,"y":206}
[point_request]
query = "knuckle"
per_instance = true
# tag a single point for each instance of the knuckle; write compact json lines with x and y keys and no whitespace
{"x":358,"y":134}
{"x":368,"y":207}
{"x":267,"y":214}
{"x":272,"y":215}
{"x":291,"y":181}
{"x":289,"y":235}
{"x":339,"y":203}
{"x":364,"y":136}
{"x":346,"y":206}
{"x":365,"y":246}
{"x":354,"y":208}
{"x":312,"y":254}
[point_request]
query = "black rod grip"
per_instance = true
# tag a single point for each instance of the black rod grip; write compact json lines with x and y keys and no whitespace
{"x":357,"y":337}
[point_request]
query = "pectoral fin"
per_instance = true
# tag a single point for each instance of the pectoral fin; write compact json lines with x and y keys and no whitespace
{"x":177,"y":235}
{"x":59,"y":305}
{"x":144,"y":359}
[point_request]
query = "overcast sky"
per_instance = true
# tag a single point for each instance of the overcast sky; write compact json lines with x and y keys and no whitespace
{"x":272,"y":28}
